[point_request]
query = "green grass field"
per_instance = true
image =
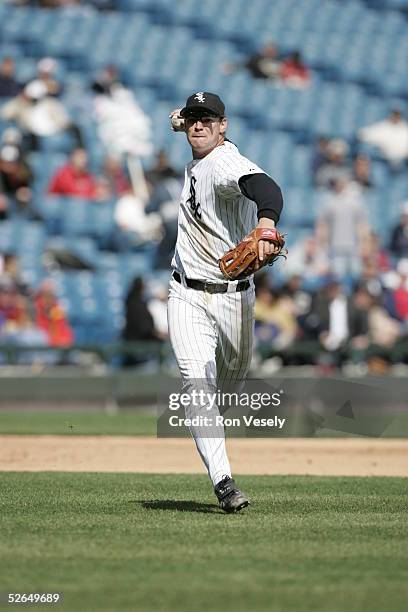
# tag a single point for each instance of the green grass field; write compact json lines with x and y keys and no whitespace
{"x":125,"y":422}
{"x":63,"y":422}
{"x":146,"y":543}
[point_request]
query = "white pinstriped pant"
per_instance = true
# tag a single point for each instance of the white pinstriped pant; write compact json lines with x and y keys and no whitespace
{"x":211,"y":336}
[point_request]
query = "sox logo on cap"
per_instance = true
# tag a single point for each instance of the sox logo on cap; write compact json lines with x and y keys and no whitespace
{"x":200,"y":97}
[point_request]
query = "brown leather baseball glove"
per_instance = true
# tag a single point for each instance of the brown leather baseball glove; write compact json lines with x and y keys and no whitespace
{"x":244,"y":260}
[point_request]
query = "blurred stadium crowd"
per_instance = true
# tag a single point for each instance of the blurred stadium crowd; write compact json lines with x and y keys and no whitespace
{"x":90,"y":173}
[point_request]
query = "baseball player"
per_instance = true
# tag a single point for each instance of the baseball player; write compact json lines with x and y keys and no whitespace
{"x":225,"y":196}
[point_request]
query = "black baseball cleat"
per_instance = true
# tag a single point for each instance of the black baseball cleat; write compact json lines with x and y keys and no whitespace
{"x":231,"y":499}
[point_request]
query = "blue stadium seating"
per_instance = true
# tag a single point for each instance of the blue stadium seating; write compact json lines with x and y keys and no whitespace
{"x":357,"y":50}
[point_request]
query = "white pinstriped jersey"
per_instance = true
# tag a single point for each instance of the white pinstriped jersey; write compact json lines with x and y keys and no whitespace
{"x":214,"y":215}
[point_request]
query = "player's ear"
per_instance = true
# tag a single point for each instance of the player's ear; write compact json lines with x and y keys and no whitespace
{"x":223,"y":125}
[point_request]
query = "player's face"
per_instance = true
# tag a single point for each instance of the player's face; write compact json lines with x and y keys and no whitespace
{"x":204,"y":133}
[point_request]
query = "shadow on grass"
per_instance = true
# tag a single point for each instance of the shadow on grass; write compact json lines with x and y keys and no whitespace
{"x":179,"y":505}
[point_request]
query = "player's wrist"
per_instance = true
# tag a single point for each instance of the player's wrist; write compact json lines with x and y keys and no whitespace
{"x":265,"y":222}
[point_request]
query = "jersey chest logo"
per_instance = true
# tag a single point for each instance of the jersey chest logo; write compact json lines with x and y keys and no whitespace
{"x":195,"y":206}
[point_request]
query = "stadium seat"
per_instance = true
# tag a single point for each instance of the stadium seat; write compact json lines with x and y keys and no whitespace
{"x":356,"y":49}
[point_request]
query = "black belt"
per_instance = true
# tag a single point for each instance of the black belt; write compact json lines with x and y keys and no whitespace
{"x":210,"y":287}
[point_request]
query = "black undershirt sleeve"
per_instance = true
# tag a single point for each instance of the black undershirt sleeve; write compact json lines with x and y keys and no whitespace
{"x":266,"y":194}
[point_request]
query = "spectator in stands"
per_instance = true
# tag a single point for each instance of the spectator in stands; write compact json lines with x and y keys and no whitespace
{"x":9,"y":88}
{"x":335,"y":166}
{"x":343,"y":228}
{"x":360,"y":320}
{"x":135,"y":225}
{"x":362,"y":171}
{"x":16,"y":312}
{"x":262,"y":65}
{"x":164,"y":201}
{"x":161,"y":170}
{"x":301,"y":299}
{"x":331,"y":310}
{"x":106,"y":80}
{"x":321,"y":153}
{"x":4,"y":205}
{"x":390,"y":136}
{"x":371,"y":278}
{"x":13,"y":136}
{"x":372,"y":253}
{"x":308,"y":259}
{"x":46,"y":69}
{"x":10,"y":305}
{"x":400,"y":293}
{"x":50,"y":317}
{"x":139,"y":323}
{"x":39,"y":114}
{"x":15,"y":174}
{"x":294,"y":72}
{"x":384,"y":330}
{"x":399,"y":238}
{"x":361,"y":304}
{"x":113,"y":173}
{"x":10,"y":274}
{"x":25,"y":332}
{"x":123,"y":126}
{"x":74,"y":178}
{"x":157,"y":305}
{"x":275,"y":320}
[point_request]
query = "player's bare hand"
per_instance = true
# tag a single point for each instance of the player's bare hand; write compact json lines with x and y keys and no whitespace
{"x":177,"y":121}
{"x":265,"y":247}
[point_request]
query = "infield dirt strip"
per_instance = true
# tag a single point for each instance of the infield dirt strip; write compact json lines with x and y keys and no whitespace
{"x":325,"y":457}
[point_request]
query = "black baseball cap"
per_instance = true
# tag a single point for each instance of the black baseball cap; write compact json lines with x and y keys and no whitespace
{"x":204,"y":101}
